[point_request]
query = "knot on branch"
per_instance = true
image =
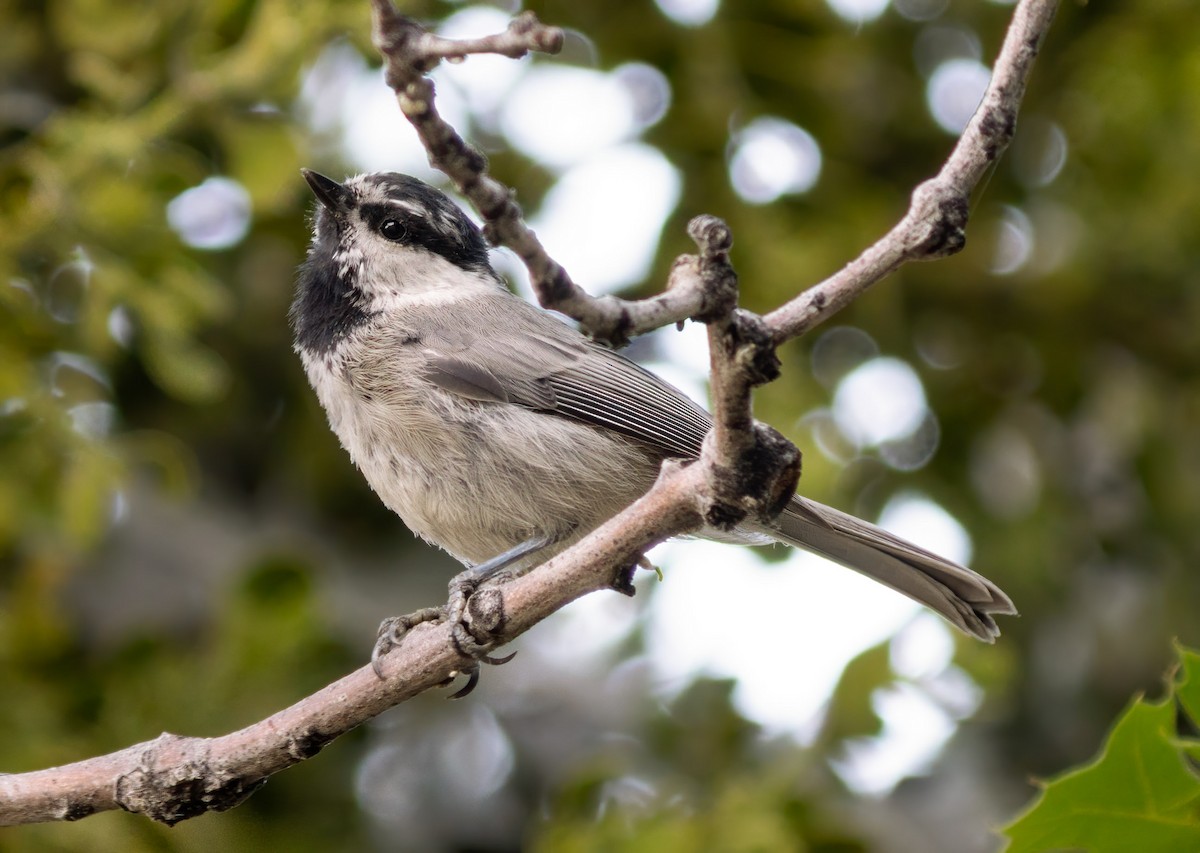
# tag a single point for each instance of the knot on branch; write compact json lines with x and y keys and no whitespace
{"x":759,"y":483}
{"x":174,"y":781}
{"x":496,"y":202}
{"x":752,"y":347}
{"x":306,"y":744}
{"x":416,"y":97}
{"x":718,"y":280}
{"x":940,"y":214}
{"x":710,"y":234}
{"x":486,"y":609}
{"x":535,"y":34}
{"x":395,"y":36}
{"x":997,"y":126}
{"x":616,"y":326}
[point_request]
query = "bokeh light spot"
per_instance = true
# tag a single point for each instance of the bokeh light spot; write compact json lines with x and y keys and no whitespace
{"x":1039,"y":152}
{"x":649,"y":89}
{"x":562,"y":116}
{"x":67,"y":288}
{"x":881,"y":400}
{"x":1014,"y":242}
{"x":214,"y":215}
{"x":938,"y":43}
{"x":838,"y":351}
{"x":690,"y":13}
{"x":915,"y":728}
{"x":912,"y":516}
{"x":344,"y":100}
{"x":801,"y":603}
{"x":954,"y":91}
{"x":1005,"y":472}
{"x":589,"y":225}
{"x":484,"y":79}
{"x":920,"y":10}
{"x":916,"y":449}
{"x":772,"y":157}
{"x":121,"y":326}
{"x":923,"y":649}
{"x":857,"y":11}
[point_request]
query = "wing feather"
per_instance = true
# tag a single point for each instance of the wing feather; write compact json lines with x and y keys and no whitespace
{"x":569,"y":377}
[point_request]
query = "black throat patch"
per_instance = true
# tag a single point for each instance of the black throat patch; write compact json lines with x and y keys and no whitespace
{"x":325,"y":308}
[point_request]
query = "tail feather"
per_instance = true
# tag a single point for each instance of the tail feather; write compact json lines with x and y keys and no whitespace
{"x":964,"y":598}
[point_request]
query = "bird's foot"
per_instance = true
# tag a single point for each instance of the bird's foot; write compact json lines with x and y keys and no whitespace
{"x":476,"y":614}
{"x":475,"y":611}
{"x":393,"y":630}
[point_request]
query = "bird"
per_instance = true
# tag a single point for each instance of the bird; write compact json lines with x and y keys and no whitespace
{"x":500,"y":433}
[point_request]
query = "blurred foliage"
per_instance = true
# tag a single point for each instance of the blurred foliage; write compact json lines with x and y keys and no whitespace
{"x":183,"y":546}
{"x":1140,"y":792}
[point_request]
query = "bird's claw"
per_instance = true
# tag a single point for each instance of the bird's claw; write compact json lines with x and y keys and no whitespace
{"x":478,"y":636}
{"x":393,"y":630}
{"x":482,"y":601}
{"x":472,"y":675}
{"x":475,"y":611}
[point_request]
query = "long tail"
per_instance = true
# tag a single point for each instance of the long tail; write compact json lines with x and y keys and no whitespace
{"x":963,"y":597}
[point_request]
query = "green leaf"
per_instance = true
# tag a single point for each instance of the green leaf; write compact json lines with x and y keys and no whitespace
{"x":1138,"y":794}
{"x":1187,"y":691}
{"x":851,"y":714}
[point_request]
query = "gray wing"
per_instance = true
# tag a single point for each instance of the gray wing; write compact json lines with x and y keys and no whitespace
{"x":554,"y":369}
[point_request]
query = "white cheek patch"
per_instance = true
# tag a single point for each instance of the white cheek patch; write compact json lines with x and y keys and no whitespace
{"x":398,"y":277}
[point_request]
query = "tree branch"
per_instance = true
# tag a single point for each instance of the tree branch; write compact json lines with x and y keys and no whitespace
{"x":933,"y":227}
{"x":173,"y":778}
{"x":936,"y":221}
{"x":745,"y":469}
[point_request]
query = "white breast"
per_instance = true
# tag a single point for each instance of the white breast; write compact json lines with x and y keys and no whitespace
{"x":474,"y":478}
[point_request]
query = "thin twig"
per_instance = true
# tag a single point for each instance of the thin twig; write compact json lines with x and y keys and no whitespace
{"x":752,"y":468}
{"x":936,"y":221}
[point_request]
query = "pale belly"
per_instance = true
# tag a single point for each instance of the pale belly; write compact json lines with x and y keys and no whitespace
{"x":480,"y":478}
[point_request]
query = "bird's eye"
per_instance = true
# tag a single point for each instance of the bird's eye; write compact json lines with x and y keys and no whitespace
{"x":393,"y":229}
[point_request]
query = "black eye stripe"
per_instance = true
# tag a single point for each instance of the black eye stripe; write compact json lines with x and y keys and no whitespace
{"x":443,"y":232}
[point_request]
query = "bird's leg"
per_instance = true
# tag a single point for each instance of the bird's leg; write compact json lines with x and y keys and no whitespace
{"x":496,"y":570}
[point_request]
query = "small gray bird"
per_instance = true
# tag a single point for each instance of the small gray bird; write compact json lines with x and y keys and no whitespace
{"x":503,"y":435}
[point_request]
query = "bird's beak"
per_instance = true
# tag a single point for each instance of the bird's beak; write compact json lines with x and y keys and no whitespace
{"x":333,"y":196}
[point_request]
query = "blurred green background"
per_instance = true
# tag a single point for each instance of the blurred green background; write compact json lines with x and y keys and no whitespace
{"x":184,"y":546}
